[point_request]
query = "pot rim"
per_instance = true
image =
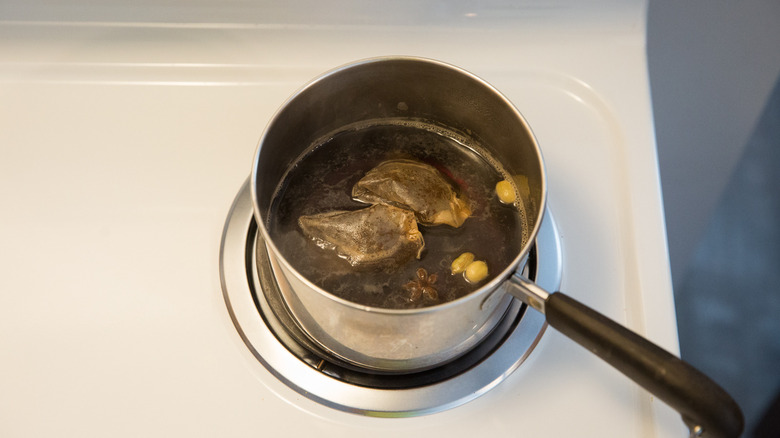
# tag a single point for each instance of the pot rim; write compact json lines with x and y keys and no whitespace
{"x":486,"y":288}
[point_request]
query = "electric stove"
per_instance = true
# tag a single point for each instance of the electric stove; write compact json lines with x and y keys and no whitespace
{"x":128,"y":134}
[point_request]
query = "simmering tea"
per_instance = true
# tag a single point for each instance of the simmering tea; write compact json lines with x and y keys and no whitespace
{"x":323,"y":178}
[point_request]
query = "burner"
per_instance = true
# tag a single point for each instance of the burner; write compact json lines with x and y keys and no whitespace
{"x":267,"y":328}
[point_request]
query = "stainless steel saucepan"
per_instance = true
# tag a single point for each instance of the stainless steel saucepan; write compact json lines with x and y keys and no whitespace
{"x":402,"y":341}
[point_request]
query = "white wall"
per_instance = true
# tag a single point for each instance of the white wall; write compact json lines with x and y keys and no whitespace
{"x":712,"y":66}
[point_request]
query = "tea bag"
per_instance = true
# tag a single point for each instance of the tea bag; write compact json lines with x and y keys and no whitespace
{"x":415,"y":186}
{"x":380,"y":234}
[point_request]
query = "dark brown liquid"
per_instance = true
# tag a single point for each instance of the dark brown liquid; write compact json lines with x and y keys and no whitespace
{"x":322,"y":180}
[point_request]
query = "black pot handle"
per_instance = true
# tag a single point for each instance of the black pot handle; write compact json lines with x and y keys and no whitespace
{"x":706,"y":408}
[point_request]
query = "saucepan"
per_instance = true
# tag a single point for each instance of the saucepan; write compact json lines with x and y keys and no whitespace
{"x":409,"y":340}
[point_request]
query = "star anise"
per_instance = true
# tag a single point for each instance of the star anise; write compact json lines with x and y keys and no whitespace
{"x":422,"y":285}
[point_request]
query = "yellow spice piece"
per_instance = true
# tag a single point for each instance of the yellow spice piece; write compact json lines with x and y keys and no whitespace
{"x":476,"y":271}
{"x":459,"y":264}
{"x":505,"y":192}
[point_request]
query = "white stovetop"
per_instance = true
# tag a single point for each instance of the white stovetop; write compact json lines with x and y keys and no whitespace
{"x":123,"y":143}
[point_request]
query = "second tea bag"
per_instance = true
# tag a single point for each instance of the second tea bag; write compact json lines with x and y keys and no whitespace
{"x":416,"y":186}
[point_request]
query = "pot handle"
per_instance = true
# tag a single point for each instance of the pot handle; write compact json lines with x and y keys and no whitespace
{"x":706,"y":408}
